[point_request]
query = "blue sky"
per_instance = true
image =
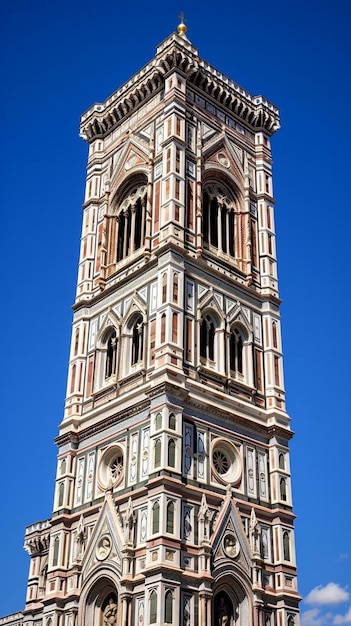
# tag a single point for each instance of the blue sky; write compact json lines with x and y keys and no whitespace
{"x":59,"y":58}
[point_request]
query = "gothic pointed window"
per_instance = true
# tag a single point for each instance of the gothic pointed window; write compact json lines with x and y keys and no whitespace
{"x":218,"y":218}
{"x":175,"y":288}
{"x":111,"y":354}
{"x":169,"y":607}
{"x":164,"y":287}
{"x":286,"y":546}
{"x":158,"y":421}
{"x":61,"y":494}
{"x":283,"y":494}
{"x":172,"y":421}
{"x":281,"y":461}
{"x":155,"y":517}
{"x":137,"y":340}
{"x":157,"y":453}
{"x":153,"y":607}
{"x":236,"y":350}
{"x":163,"y":327}
{"x":171,"y":453}
{"x":170,"y":517}
{"x":130,"y":217}
{"x":207,"y":338}
{"x":56,"y":551}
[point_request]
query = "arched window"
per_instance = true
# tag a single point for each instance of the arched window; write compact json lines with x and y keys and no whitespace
{"x":76,"y":341}
{"x":155,"y":517}
{"x":163,"y":327}
{"x":283,"y":489}
{"x":175,"y":327}
{"x":291,"y":620}
{"x":281,"y":461}
{"x":236,"y":343}
{"x":175,"y":288}
{"x":131,"y":223}
{"x":61,"y":494}
{"x":274,"y":335}
{"x":172,"y":421}
{"x":63,"y":467}
{"x":286,"y":546}
{"x":111,"y":354}
{"x":158,"y":421}
{"x":157,"y":453}
{"x":170,"y":517}
{"x":153,"y":607}
{"x":171,"y":453}
{"x":56,"y":551}
{"x":73,"y":378}
{"x":169,"y":607}
{"x":218,"y":218}
{"x":207,"y":338}
{"x":137,"y":340}
{"x":164,"y":287}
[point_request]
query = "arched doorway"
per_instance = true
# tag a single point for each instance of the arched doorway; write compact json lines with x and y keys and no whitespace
{"x":102,"y":605}
{"x":231,"y":604}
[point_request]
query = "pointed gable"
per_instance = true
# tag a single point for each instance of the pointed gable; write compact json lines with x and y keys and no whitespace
{"x":133,"y":157}
{"x":229,"y":542}
{"x":222,"y":155}
{"x":106,"y":541}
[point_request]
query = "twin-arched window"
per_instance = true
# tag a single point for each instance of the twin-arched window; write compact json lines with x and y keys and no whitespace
{"x":109,"y":364}
{"x":131,"y":223}
{"x":212,"y":346}
{"x":218,"y":218}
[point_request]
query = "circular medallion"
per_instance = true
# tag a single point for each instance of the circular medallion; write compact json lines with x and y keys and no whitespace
{"x":103,"y":547}
{"x":231,"y":546}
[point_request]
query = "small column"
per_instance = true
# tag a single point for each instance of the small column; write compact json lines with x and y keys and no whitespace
{"x":219,"y":227}
{"x":132,"y":230}
{"x":118,"y":223}
{"x":203,"y":612}
{"x":125,"y":235}
{"x":143,"y":221}
{"x":208,"y":610}
{"x":227,"y":231}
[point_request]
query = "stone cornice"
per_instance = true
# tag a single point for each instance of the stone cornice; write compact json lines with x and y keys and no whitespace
{"x":176,"y":53}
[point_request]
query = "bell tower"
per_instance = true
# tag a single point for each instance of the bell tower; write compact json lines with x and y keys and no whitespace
{"x":173,"y":497}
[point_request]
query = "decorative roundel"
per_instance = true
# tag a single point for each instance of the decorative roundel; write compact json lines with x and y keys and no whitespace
{"x":231,"y":545}
{"x":103,"y":547}
{"x":111,"y":467}
{"x":223,"y":159}
{"x":226,"y":463}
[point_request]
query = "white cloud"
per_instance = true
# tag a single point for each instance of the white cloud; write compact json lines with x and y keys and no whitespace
{"x":312,"y":617}
{"x":330,"y":594}
{"x":343,"y":619}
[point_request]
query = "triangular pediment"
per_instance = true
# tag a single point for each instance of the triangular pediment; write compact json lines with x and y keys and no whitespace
{"x":239,"y":315}
{"x":108,"y":320}
{"x":229,"y":542}
{"x":106,"y":541}
{"x":221,"y":154}
{"x":133,"y":157}
{"x":135,"y":304}
{"x":211,"y":300}
{"x":208,"y":132}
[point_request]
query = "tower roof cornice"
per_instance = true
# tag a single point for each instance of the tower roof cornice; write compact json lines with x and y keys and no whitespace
{"x":177,"y":53}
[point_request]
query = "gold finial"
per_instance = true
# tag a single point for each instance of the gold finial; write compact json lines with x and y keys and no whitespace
{"x":182,"y":28}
